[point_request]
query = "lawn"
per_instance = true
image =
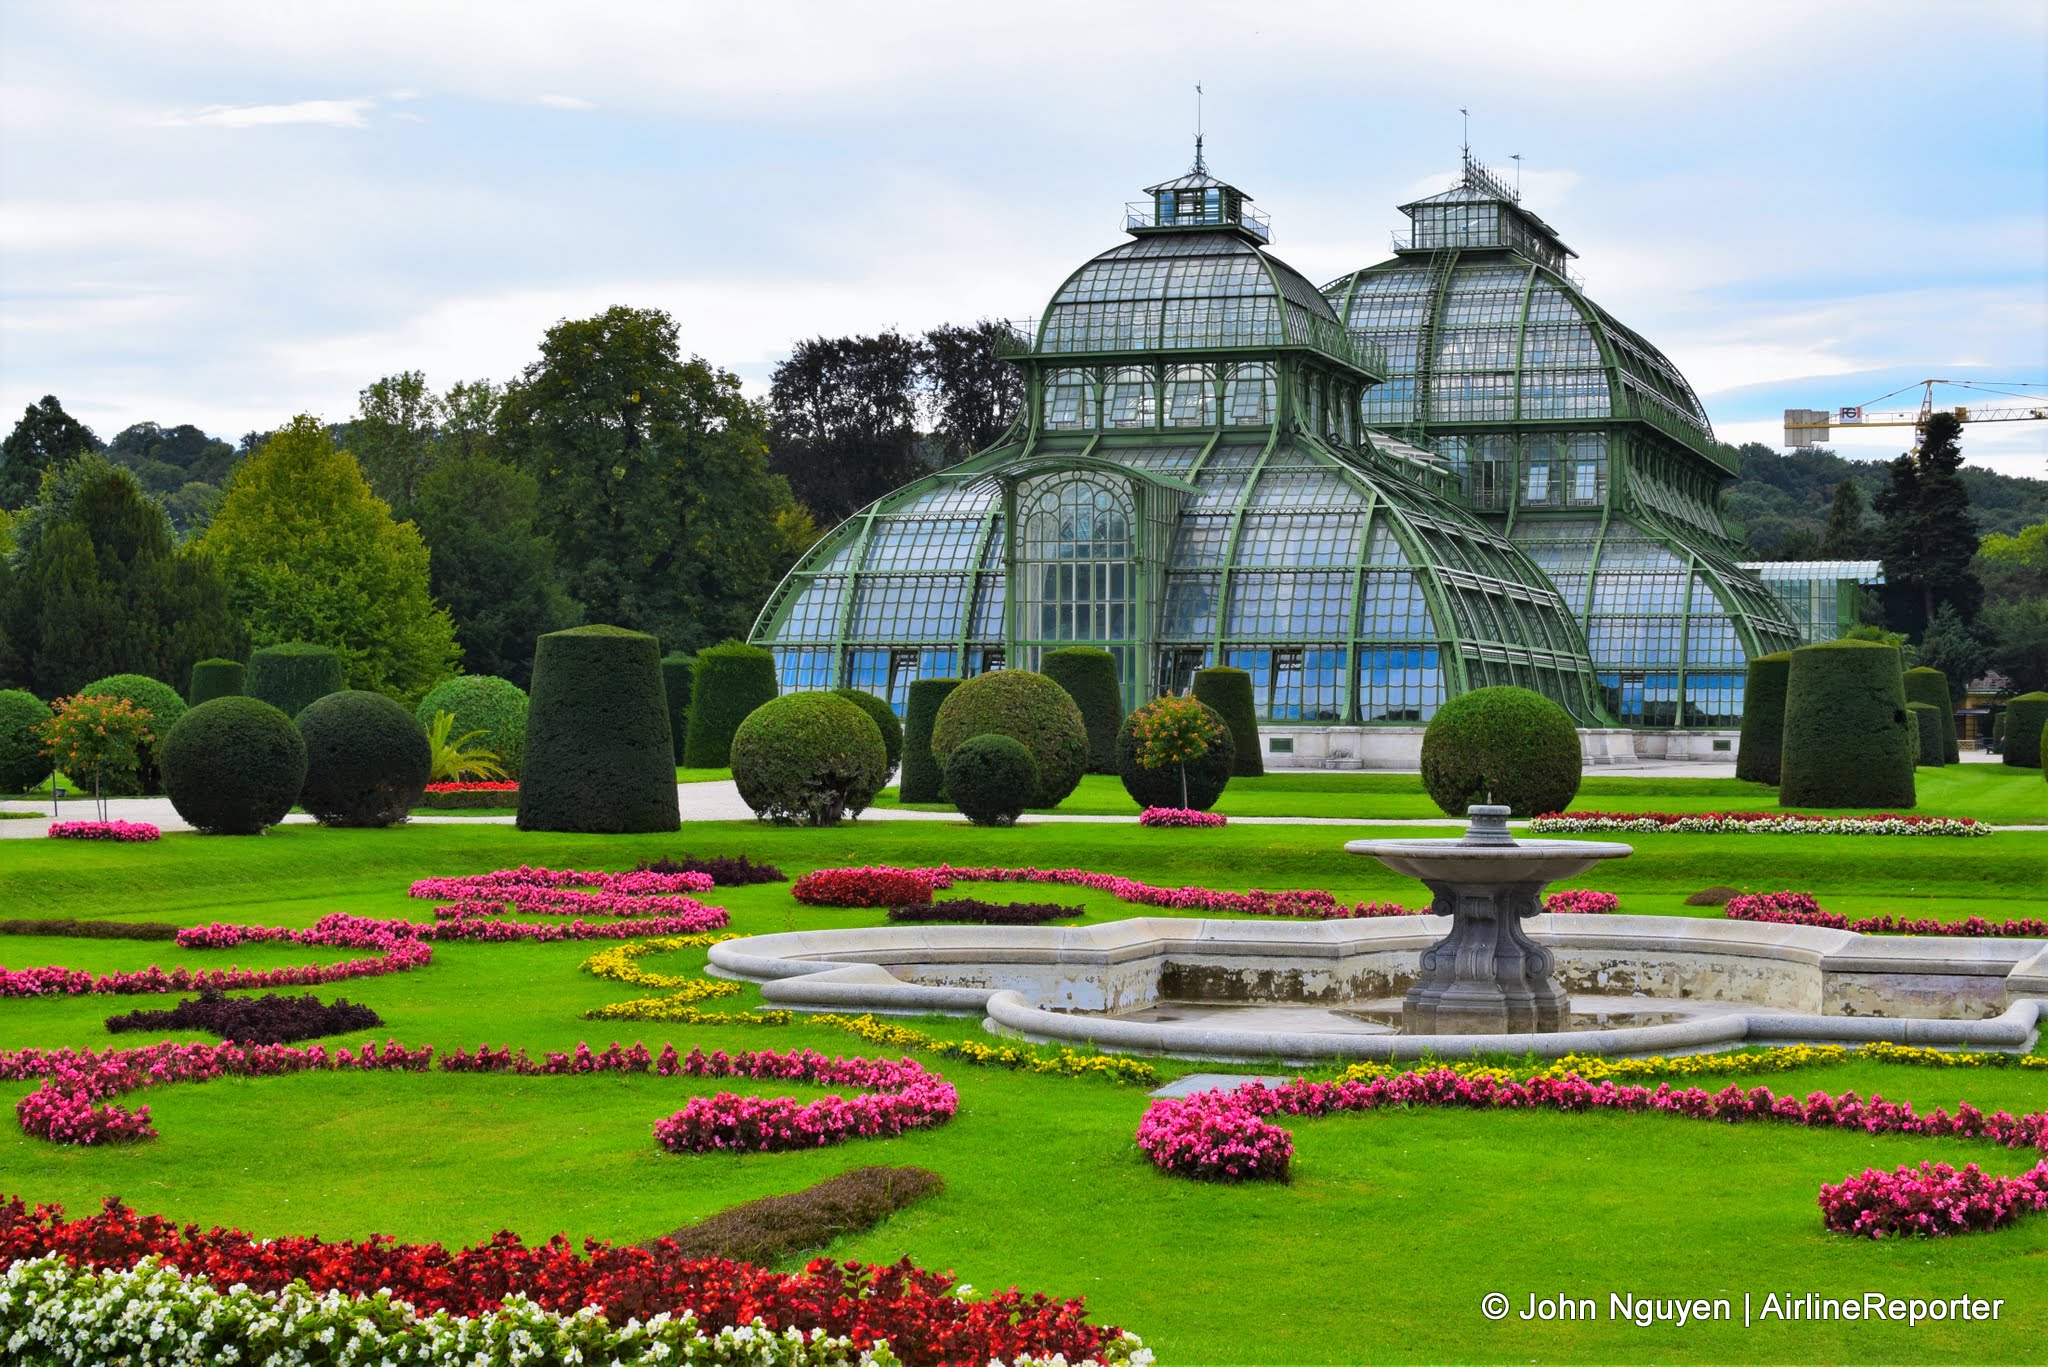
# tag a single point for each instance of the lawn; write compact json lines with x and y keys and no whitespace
{"x":1380,"y":1248}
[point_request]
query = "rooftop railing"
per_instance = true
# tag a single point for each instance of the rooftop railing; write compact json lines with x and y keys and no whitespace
{"x":1144,"y":214}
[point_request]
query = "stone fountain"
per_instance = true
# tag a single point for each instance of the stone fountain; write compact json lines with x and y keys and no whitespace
{"x":1487,"y":977}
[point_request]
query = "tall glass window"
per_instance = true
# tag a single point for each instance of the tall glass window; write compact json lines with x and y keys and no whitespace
{"x":1079,"y":580}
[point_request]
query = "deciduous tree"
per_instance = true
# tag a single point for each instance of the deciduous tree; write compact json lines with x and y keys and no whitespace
{"x":842,"y":420}
{"x":45,"y":436}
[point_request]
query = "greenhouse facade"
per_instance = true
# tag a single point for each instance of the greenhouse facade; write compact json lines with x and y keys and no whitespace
{"x":1443,"y":472}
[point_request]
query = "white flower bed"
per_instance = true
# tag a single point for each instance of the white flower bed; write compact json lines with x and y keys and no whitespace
{"x":1714,"y":823}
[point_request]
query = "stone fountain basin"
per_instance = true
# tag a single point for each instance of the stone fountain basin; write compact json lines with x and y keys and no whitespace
{"x":1455,"y":861}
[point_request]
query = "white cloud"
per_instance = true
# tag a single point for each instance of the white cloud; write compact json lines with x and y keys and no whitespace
{"x":325,"y":113}
{"x":570,"y":102}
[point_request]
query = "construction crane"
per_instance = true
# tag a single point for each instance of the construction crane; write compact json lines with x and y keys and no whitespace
{"x":1809,"y":426}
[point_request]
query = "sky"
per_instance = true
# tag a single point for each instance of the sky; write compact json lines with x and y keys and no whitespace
{"x":226,"y":213}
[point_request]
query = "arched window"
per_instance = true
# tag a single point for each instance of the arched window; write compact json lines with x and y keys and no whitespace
{"x":1131,"y":398}
{"x":1068,"y":400}
{"x":1190,"y":396}
{"x":1079,"y":580}
{"x":1250,"y":393}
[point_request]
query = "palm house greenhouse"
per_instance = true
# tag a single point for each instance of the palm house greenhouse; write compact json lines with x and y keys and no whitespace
{"x":1442,"y":472}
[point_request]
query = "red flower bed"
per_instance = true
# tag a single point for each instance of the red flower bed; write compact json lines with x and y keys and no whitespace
{"x":878,"y":886}
{"x":1932,"y":1199}
{"x":1800,"y":909}
{"x":504,"y":786}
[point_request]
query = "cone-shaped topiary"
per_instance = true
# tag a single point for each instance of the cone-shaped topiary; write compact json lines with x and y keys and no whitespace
{"x":1229,"y":691}
{"x":1088,"y":673}
{"x":1927,"y":751}
{"x":922,"y":779}
{"x":729,"y":682}
{"x":1763,"y":719}
{"x":989,"y":778}
{"x":367,"y":760}
{"x":164,"y":706}
{"x":598,"y":753}
{"x":2025,"y":718}
{"x":23,"y":764}
{"x":1031,"y":710}
{"x":233,"y":766}
{"x":1508,"y":746}
{"x":676,"y":669}
{"x":1848,"y":740}
{"x":290,"y":675}
{"x":809,"y":759}
{"x":215,"y":679}
{"x":482,"y":702}
{"x":884,"y":719}
{"x":1931,"y":687}
{"x":1206,"y":777}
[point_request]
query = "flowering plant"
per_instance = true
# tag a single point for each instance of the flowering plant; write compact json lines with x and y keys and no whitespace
{"x":875,"y":886}
{"x":1175,"y":731}
{"x":1770,"y":823}
{"x":101,"y":736}
{"x":1932,"y":1199}
{"x":1179,"y":816}
{"x":1306,"y":903}
{"x":127,"y":832}
{"x":1800,"y":909}
{"x":1581,"y":901}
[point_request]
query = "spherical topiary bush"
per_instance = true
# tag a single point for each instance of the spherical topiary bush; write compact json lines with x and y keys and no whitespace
{"x":1931,"y":687}
{"x":1848,"y":740}
{"x":729,"y":682}
{"x":482,"y":702}
{"x":676,"y":669}
{"x":2025,"y":717}
{"x":1229,"y":691}
{"x":164,"y":706}
{"x":885,"y":721}
{"x":1206,"y":776}
{"x":215,"y":679}
{"x":1508,"y":746}
{"x":1763,"y":718}
{"x":922,"y":779}
{"x":808,"y":759}
{"x":233,"y":766}
{"x":23,"y":764}
{"x":988,"y":778}
{"x":1926,"y":719}
{"x":1031,"y":710}
{"x":598,"y":753}
{"x":367,"y":760}
{"x":1088,"y":673}
{"x":290,"y":675}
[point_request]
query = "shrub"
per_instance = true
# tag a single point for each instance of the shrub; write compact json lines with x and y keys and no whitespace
{"x":486,"y":703}
{"x":728,"y":683}
{"x":233,"y":766}
{"x":1927,"y":751}
{"x":598,"y":753}
{"x":1763,"y":719}
{"x":270,"y":1019}
{"x":92,"y":930}
{"x":736,"y":871}
{"x":164,"y":706}
{"x":23,"y":762}
{"x":676,"y":669}
{"x":1931,"y":687}
{"x":461,"y":758}
{"x":990,"y":778}
{"x":808,"y":759}
{"x":1506,"y":745}
{"x":99,"y":740}
{"x":215,"y":679}
{"x":1088,"y":673}
{"x":1205,"y":776}
{"x":922,"y":780}
{"x":972,"y":911}
{"x":1716,"y":896}
{"x":290,"y":675}
{"x":885,"y":721}
{"x":1031,"y":710}
{"x":2025,"y":718}
{"x":367,"y":760}
{"x":1229,"y":691}
{"x":773,"y":1227}
{"x":1848,"y":740}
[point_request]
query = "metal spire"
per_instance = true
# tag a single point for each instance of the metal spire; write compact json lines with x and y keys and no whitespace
{"x":1201,"y":167}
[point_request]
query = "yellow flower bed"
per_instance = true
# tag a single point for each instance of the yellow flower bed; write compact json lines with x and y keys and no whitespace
{"x":621,"y":964}
{"x":1782,"y":1059}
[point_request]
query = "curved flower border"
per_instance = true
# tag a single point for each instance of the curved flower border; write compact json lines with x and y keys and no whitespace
{"x":1767,"y":823}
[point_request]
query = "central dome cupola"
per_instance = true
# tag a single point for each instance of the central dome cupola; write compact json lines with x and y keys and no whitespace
{"x":1197,"y":202}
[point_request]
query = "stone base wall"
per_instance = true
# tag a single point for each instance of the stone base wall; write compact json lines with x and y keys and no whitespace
{"x":1400,"y":747}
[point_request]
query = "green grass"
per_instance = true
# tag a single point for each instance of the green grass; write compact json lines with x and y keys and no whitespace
{"x":1380,"y":1248}
{"x":684,"y":774}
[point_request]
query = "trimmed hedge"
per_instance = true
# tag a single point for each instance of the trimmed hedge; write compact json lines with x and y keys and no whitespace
{"x":23,"y":764}
{"x":1927,"y":751}
{"x":1762,"y":746}
{"x":1229,"y":691}
{"x":922,"y":779}
{"x":599,"y":756}
{"x":2025,"y":719}
{"x":1510,"y":746}
{"x":164,"y":706}
{"x":482,"y":702}
{"x":885,"y":721}
{"x":808,"y":759}
{"x":1206,"y":778}
{"x":1930,"y":686}
{"x":676,"y":669}
{"x":1031,"y":710}
{"x":989,"y":777}
{"x":290,"y":675}
{"x":1088,"y":673}
{"x":728,"y":683}
{"x":215,"y":679}
{"x":233,"y":766}
{"x":771,"y":1228}
{"x":367,"y":760}
{"x":1848,"y":740}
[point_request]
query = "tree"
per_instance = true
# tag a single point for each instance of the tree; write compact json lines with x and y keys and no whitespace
{"x":393,"y":436}
{"x":972,"y":393}
{"x":1844,"y":538}
{"x":1951,"y":647}
{"x":309,"y":553}
{"x":2014,"y":622}
{"x":654,"y":480}
{"x":185,"y":449}
{"x":842,"y":420}
{"x":45,"y":436}
{"x":1929,"y":534}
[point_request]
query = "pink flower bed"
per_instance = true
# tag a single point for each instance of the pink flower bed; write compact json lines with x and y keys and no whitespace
{"x":1800,"y":909}
{"x":896,"y":1097}
{"x":1179,"y":816}
{"x":1932,"y":1199}
{"x":127,"y":832}
{"x":551,"y":890}
{"x":1303,"y":903}
{"x":1767,"y":823}
{"x":480,"y":786}
{"x":395,"y":955}
{"x":1581,"y":901}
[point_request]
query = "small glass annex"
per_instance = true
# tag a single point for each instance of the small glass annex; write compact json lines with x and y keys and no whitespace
{"x":1217,"y":464}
